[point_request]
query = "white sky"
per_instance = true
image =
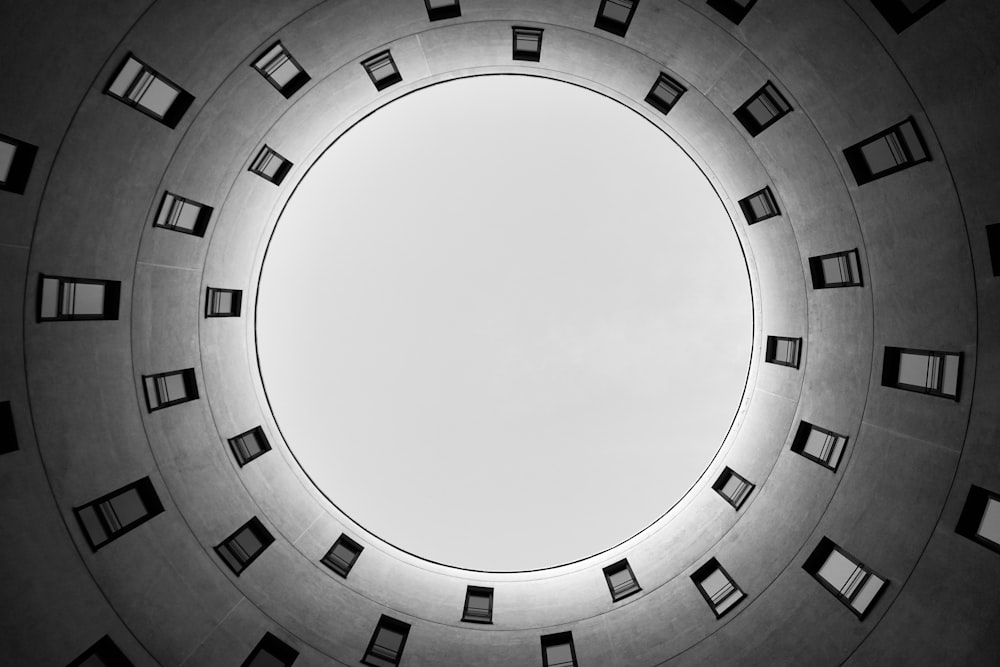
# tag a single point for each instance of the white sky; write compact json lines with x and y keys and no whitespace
{"x":504,"y":323}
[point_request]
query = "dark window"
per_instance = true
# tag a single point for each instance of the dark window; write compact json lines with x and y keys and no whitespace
{"x":761,"y":205}
{"x":923,"y":371}
{"x":527,"y":43}
{"x":270,"y":166}
{"x":763,"y":109}
{"x":281,"y":70}
{"x":8,"y":436}
{"x":248,"y":446}
{"x":382,"y":70}
{"x":895,"y":149}
{"x":558,"y":650}
{"x":223,"y":302}
{"x":621,"y":580}
{"x":109,"y":517}
{"x":342,"y":555}
{"x":443,"y":9}
{"x":664,"y":93}
{"x":615,"y":15}
{"x":717,"y":587}
{"x":980,"y":519}
{"x":16,"y":159}
{"x":102,"y":654}
{"x":137,"y":84}
{"x":271,"y":652}
{"x":62,"y":298}
{"x":734,"y":10}
{"x":166,"y":389}
{"x":386,"y":646}
{"x":783,"y":351}
{"x":844,"y":576}
{"x":993,"y":238}
{"x":901,"y":14}
{"x":182,"y":215}
{"x":478,"y":605}
{"x":819,"y":445}
{"x":733,"y":487}
{"x":838,"y":269}
{"x":242,"y":547}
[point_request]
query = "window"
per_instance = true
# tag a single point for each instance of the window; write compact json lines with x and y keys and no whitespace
{"x":895,"y":149}
{"x":182,"y":215}
{"x":838,"y":269}
{"x":734,"y":10}
{"x":621,"y":581}
{"x":281,"y":70}
{"x":16,"y":160}
{"x":478,"y":605}
{"x":386,"y":646}
{"x":922,"y":371}
{"x":382,"y":70}
{"x":819,"y":445}
{"x":558,"y":650}
{"x":248,"y":446}
{"x":980,"y":519}
{"x":615,"y":15}
{"x":717,"y":587}
{"x":270,"y":166}
{"x":527,"y":44}
{"x":109,"y":517}
{"x":244,"y":546}
{"x":142,"y":87}
{"x":762,"y":110}
{"x":993,"y":239}
{"x":223,"y":302}
{"x":901,"y":14}
{"x":8,"y":436}
{"x":844,"y":576}
{"x":783,"y":351}
{"x":166,"y":389}
{"x":664,"y":93}
{"x":442,"y":9}
{"x":733,"y":487}
{"x":61,"y":298}
{"x":271,"y":652}
{"x":102,"y":654}
{"x":342,"y":555}
{"x":761,"y":205}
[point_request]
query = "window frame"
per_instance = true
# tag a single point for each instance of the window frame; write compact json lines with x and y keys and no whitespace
{"x":336,"y":566}
{"x":633,"y":585}
{"x":382,"y":56}
{"x":703,"y":573}
{"x":526,"y":56}
{"x":802,"y":436}
{"x":267,"y":153}
{"x":177,"y":108}
{"x":747,"y":208}
{"x":112,"y":299}
{"x":441,"y":13}
{"x":469,"y":616}
{"x":602,"y":22}
{"x":818,"y":558}
{"x":993,"y":242}
{"x":858,"y":164}
{"x":750,"y":122}
{"x":558,"y":639}
{"x":890,"y":371}
{"x":273,"y":647}
{"x":147,"y":494}
{"x":260,"y":532}
{"x":294,"y":84}
{"x":819,"y":276}
{"x":976,"y":503}
{"x":105,"y":650}
{"x":899,"y":17}
{"x":745,"y":491}
{"x":394,"y":625}
{"x":258,"y":433}
{"x":657,"y":102}
{"x":201,"y":222}
{"x":732,"y":10}
{"x":236,"y":301}
{"x":8,"y":433}
{"x":771,"y":351}
{"x":19,"y":171}
{"x":190,"y":388}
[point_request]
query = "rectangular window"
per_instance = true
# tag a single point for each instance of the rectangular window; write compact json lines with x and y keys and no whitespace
{"x":382,"y":70}
{"x":763,"y":109}
{"x":244,"y":546}
{"x":182,"y":215}
{"x":615,"y":15}
{"x":838,"y":269}
{"x":901,"y":14}
{"x":664,"y":93}
{"x":137,"y":84}
{"x":993,"y":239}
{"x":895,"y":149}
{"x":733,"y":487}
{"x":783,"y":351}
{"x":819,"y":445}
{"x":271,"y":652}
{"x":478,"y":605}
{"x":527,"y":44}
{"x":105,"y":653}
{"x":844,"y":576}
{"x":761,"y":205}
{"x":558,"y":650}
{"x":248,"y":446}
{"x":16,"y":160}
{"x":717,"y":587}
{"x":8,"y":436}
{"x":734,"y":10}
{"x":980,"y":519}
{"x":166,"y":389}
{"x":223,"y":302}
{"x":109,"y":517}
{"x":438,"y":10}
{"x":281,"y":70}
{"x":386,"y":646}
{"x":922,"y":371}
{"x":621,"y":580}
{"x":63,"y":298}
{"x":342,"y":555}
{"x":270,"y":166}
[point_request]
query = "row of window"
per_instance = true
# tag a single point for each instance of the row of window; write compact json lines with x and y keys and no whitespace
{"x":269,"y":652}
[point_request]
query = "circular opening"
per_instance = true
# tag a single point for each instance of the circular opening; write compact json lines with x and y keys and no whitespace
{"x":504,"y":323}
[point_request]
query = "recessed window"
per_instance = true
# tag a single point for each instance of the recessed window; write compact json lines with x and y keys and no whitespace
{"x":478,"y":605}
{"x":621,"y":580}
{"x":819,"y":445}
{"x":244,"y":546}
{"x":342,"y":555}
{"x":922,"y":371}
{"x":901,"y":14}
{"x":438,"y":10}
{"x":221,"y":302}
{"x":281,"y":70}
{"x":8,"y":436}
{"x":386,"y":646}
{"x":16,"y":160}
{"x":382,"y":70}
{"x":980,"y":519}
{"x":761,"y":205}
{"x":733,"y":487}
{"x":248,"y":446}
{"x":166,"y":389}
{"x":558,"y":650}
{"x":271,"y":652}
{"x":843,"y":575}
{"x":615,"y":15}
{"x":763,"y":109}
{"x":993,"y":239}
{"x":734,"y":10}
{"x":527,"y":44}
{"x":182,"y":215}
{"x":717,"y":587}
{"x":102,"y":654}
{"x":109,"y":517}
{"x":270,"y":166}
{"x":63,"y":298}
{"x":783,"y":351}
{"x":664,"y":93}
{"x":895,"y":149}
{"x":139,"y":85}
{"x":838,"y":269}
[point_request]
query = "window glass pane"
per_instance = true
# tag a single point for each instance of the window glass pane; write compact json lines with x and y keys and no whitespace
{"x":527,"y":42}
{"x":883,"y":153}
{"x":866,"y":593}
{"x":435,"y":4}
{"x":715,"y":583}
{"x":174,"y":387}
{"x":166,"y":210}
{"x":265,"y":659}
{"x":6,"y":159}
{"x":908,"y":135}
{"x":270,"y":165}
{"x":479,"y":602}
{"x":617,"y":10}
{"x":949,"y":385}
{"x":913,"y":369}
{"x":837,"y":570}
{"x":187,"y":216}
{"x":223,"y":302}
{"x":284,"y":73}
{"x":389,"y":639}
{"x":620,"y":579}
{"x":93,"y":525}
{"x":125,"y":78}
{"x":816,"y":444}
{"x":989,"y":527}
{"x":248,"y":541}
{"x":50,"y":297}
{"x":128,"y":507}
{"x":560,"y":654}
{"x":158,"y":97}
{"x":836,"y":269}
{"x":732,"y":487}
{"x":760,"y":206}
{"x":89,"y":299}
{"x":762,"y":109}
{"x":343,"y":552}
{"x":265,"y":60}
